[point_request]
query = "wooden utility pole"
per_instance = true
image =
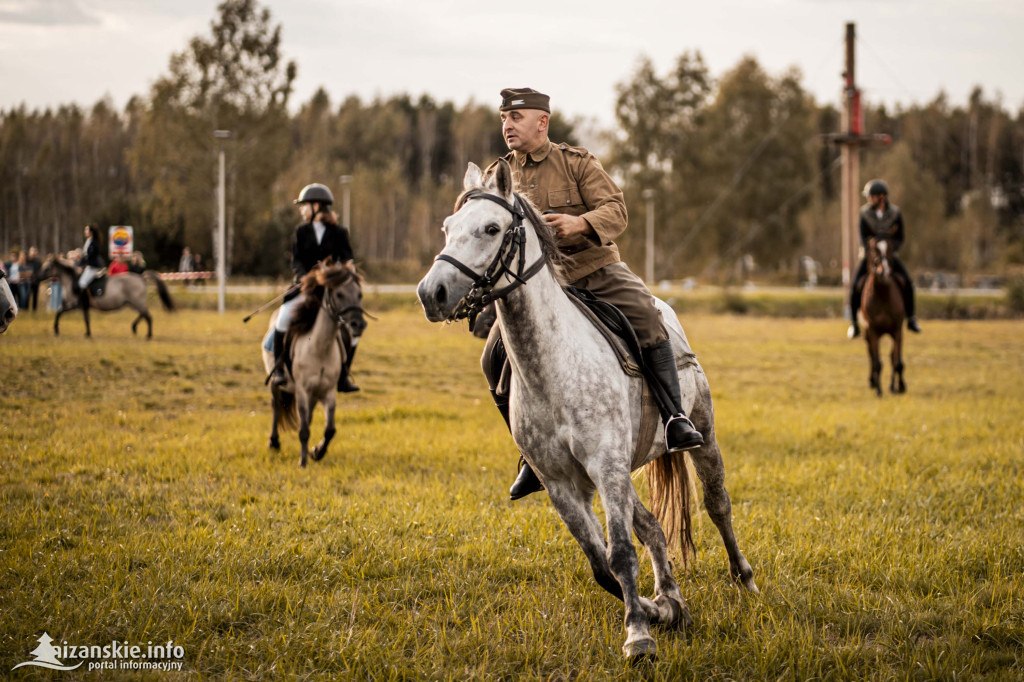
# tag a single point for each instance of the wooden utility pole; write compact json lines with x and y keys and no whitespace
{"x":850,"y":142}
{"x":648,"y":195}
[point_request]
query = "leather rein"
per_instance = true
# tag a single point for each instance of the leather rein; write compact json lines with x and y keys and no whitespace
{"x":512,"y":251}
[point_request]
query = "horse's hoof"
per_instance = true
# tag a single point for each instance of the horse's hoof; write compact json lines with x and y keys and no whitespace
{"x":274,"y":444}
{"x":641,"y":649}
{"x":318,"y":454}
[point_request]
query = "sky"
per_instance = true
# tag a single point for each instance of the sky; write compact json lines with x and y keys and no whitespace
{"x":60,"y":51}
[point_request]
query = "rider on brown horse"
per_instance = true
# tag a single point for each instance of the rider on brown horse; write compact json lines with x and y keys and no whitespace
{"x":317,"y":239}
{"x":879,"y":218}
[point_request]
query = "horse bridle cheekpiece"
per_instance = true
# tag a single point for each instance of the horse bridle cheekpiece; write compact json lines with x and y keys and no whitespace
{"x":512,"y":249}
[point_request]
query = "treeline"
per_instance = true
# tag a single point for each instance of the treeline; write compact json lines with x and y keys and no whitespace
{"x":738,"y":165}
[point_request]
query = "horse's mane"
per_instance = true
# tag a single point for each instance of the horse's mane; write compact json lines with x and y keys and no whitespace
{"x":548,"y":245}
{"x":312,"y":287}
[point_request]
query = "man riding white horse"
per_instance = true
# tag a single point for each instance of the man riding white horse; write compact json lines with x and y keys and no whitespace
{"x":585,"y":209}
{"x":318,"y":238}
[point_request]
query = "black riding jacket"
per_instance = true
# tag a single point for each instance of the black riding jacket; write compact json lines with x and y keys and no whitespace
{"x":91,"y":255}
{"x":306,"y":252}
{"x":889,"y":225}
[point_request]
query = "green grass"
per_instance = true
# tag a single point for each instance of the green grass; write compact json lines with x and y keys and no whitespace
{"x":140,"y":502}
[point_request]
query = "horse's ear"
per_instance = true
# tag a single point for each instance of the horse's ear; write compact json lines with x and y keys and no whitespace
{"x":474,"y":177}
{"x":503,"y":180}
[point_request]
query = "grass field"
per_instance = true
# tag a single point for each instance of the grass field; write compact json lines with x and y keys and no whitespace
{"x":140,"y":503}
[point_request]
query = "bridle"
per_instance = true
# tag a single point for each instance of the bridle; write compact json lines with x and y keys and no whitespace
{"x":512,"y":250}
{"x":328,"y":304}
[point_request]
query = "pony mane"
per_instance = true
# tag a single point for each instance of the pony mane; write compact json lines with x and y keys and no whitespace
{"x":548,"y":245}
{"x":312,"y":286}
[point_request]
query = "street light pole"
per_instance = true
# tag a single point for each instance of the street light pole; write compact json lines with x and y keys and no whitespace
{"x":222,"y":268}
{"x":648,"y":195}
{"x":346,"y":198}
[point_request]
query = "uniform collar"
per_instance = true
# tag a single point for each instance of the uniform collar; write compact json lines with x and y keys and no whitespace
{"x":535,"y":156}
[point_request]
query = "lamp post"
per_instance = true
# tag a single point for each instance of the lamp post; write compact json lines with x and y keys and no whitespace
{"x":222,"y":268}
{"x":346,"y":198}
{"x":648,"y":195}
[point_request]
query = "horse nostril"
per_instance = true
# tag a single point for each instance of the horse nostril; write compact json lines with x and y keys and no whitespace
{"x":441,"y":295}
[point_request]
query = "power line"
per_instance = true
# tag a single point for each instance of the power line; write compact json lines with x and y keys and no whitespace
{"x":757,"y":227}
{"x":738,"y":175}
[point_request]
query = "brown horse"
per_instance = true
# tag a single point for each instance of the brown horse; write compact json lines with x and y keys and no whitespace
{"x":881,"y":312}
{"x":318,"y":343}
{"x":128,"y":289}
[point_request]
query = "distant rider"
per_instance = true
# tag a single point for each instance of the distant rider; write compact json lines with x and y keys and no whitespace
{"x":318,"y":238}
{"x":879,"y":218}
{"x":91,"y":262}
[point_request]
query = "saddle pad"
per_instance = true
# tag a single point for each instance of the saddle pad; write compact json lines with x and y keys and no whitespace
{"x":98,"y":286}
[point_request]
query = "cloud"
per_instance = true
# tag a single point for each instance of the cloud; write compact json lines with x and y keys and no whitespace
{"x":45,"y":13}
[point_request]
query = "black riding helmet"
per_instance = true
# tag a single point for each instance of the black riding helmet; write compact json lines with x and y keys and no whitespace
{"x":315,"y":193}
{"x":876,"y":187}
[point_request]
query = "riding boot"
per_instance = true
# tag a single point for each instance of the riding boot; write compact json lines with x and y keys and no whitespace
{"x":854,"y":330}
{"x":680,"y":433}
{"x":345,"y":384}
{"x":908,"y":306}
{"x":526,"y":482}
{"x":83,"y":298}
{"x":280,"y":378}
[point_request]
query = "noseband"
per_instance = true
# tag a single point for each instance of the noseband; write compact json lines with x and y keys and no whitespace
{"x":328,"y":304}
{"x":512,"y":250}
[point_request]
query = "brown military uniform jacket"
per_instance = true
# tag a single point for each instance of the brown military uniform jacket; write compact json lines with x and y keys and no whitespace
{"x":571,"y":180}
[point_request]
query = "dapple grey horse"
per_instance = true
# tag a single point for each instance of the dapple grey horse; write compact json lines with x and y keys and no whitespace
{"x":127,"y":289}
{"x":317,"y":354}
{"x":8,"y":303}
{"x":575,"y":415}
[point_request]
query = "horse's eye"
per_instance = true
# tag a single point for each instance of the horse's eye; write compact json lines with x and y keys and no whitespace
{"x":492,"y":229}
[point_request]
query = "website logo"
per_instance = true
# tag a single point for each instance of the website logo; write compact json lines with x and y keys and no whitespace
{"x":118,"y":655}
{"x":46,"y":656}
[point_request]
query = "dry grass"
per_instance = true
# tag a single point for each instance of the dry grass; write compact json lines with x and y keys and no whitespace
{"x":140,"y":502}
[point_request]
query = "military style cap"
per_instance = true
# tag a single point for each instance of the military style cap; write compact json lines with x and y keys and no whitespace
{"x":524,"y":98}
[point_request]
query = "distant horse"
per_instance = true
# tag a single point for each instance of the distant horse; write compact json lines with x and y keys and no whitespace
{"x":8,"y":303}
{"x":128,"y":289}
{"x":315,"y":344}
{"x":576,"y":416}
{"x":881,"y":312}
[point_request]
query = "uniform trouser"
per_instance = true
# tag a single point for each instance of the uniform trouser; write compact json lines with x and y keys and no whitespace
{"x":615,"y":284}
{"x":906,"y":286}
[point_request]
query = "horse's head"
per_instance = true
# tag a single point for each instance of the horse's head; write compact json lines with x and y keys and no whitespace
{"x":880,"y":257}
{"x":8,"y":305}
{"x":343,"y":294}
{"x":485,"y":251}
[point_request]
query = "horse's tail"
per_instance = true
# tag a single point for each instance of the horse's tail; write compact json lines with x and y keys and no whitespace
{"x":161,"y":289}
{"x":288,"y":419}
{"x":672,"y":495}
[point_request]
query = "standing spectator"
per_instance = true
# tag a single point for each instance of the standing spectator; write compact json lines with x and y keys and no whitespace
{"x":117,"y":266}
{"x":137,"y":264}
{"x":24,"y":278}
{"x":186,"y":264}
{"x":37,"y":267}
{"x":200,"y":266}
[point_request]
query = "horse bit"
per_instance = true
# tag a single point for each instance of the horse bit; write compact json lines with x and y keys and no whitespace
{"x":513,"y":244}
